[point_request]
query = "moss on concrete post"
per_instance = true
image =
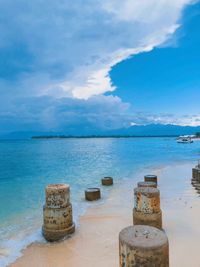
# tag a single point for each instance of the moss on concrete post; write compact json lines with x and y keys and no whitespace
{"x":57,"y":213}
{"x":147,"y":207}
{"x":143,"y":246}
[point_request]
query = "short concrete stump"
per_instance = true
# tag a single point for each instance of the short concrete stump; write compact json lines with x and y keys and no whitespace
{"x":151,"y":178}
{"x":147,"y":207}
{"x":92,"y":194}
{"x":57,"y":213}
{"x":143,"y":246}
{"x":107,"y":181}
{"x":147,"y":184}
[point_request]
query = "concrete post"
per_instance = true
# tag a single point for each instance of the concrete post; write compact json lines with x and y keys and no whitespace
{"x":151,"y":178}
{"x":195,"y":173}
{"x":147,"y":184}
{"x":92,"y":194}
{"x":107,"y":181}
{"x":147,"y":207}
{"x":57,"y":213}
{"x":143,"y":246}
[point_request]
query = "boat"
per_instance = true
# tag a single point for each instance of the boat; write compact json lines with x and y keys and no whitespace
{"x":184,"y":140}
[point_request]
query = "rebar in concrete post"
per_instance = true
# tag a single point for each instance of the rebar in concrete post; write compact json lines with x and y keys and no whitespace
{"x":57,"y":213}
{"x":147,"y":207}
{"x":143,"y":246}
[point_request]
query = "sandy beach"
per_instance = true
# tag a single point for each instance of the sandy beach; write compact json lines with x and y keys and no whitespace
{"x":95,"y":242}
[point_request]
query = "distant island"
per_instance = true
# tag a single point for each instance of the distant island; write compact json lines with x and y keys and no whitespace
{"x":197,"y":135}
{"x":97,"y":136}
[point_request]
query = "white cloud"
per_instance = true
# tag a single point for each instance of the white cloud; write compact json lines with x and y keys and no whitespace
{"x":75,"y":44}
{"x":141,"y":25}
{"x":181,"y":120}
{"x":191,"y":120}
{"x":145,"y":10}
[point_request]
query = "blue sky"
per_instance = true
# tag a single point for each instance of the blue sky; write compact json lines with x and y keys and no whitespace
{"x":167,"y":79}
{"x":98,"y":65}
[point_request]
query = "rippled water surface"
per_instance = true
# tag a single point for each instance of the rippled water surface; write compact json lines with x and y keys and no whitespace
{"x":26,"y":167}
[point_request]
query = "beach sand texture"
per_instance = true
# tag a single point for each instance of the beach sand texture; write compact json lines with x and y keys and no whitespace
{"x":95,"y":242}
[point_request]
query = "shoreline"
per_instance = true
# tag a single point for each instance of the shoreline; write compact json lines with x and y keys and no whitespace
{"x":95,"y":242}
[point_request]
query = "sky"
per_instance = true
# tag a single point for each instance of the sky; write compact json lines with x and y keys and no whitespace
{"x":96,"y":65}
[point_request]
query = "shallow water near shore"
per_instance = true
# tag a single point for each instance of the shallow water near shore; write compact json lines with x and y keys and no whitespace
{"x":27,"y":166}
{"x":95,"y":242}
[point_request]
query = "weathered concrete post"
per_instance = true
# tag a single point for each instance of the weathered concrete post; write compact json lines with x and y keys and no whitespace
{"x":57,"y":213}
{"x":107,"y":181}
{"x":198,"y":165}
{"x":147,"y":184}
{"x":151,"y":178}
{"x":147,"y":207}
{"x":196,"y":179}
{"x":195,"y":172}
{"x":143,"y":246}
{"x":92,"y":194}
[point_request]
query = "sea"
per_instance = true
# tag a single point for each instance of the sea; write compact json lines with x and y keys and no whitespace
{"x":27,"y":166}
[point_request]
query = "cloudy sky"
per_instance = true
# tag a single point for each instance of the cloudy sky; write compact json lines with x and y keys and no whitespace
{"x":98,"y":64}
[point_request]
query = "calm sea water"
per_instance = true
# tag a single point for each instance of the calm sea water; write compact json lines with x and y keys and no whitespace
{"x":26,"y":167}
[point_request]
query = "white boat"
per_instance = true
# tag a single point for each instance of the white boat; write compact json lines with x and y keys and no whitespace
{"x":185,"y":140}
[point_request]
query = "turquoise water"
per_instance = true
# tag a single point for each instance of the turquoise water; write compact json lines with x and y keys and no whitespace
{"x":26,"y":167}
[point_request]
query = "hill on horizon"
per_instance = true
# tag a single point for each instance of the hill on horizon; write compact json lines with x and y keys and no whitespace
{"x":136,"y":130}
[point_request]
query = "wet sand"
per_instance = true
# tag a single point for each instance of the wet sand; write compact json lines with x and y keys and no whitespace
{"x":95,"y":242}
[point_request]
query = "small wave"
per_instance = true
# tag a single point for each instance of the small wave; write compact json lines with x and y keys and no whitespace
{"x":11,"y":249}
